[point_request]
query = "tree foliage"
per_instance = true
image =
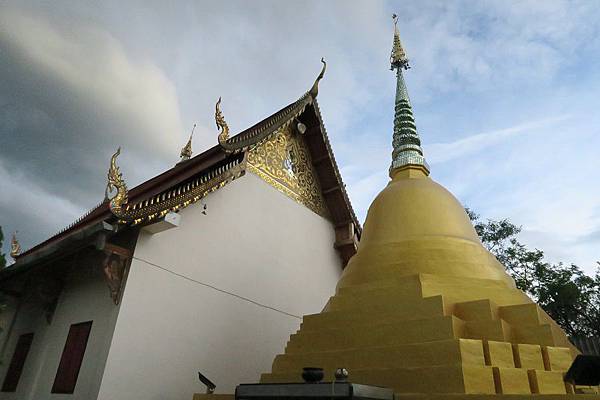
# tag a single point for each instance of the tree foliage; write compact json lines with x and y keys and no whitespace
{"x":565,"y":292}
{"x":2,"y":256}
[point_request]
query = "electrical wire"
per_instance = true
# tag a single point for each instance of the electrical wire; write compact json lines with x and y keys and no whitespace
{"x":217,"y":289}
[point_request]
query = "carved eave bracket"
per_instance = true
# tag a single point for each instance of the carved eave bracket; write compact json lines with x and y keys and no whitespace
{"x":114,"y":267}
{"x":346,"y":240}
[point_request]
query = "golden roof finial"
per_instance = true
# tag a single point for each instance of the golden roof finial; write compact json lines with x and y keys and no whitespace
{"x":221,"y":124}
{"x":314,"y":90}
{"x":116,"y":184}
{"x":398,"y":58}
{"x":15,"y":247}
{"x":186,"y":151}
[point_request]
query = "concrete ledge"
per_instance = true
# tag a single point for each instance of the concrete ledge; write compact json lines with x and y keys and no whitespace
{"x":204,"y":396}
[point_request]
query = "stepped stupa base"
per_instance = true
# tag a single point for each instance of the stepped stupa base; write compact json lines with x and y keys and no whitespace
{"x":420,"y":396}
{"x":434,"y":335}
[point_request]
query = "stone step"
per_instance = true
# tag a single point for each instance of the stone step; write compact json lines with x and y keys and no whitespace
{"x":454,"y":289}
{"x":382,"y":334}
{"x":445,"y":352}
{"x":372,"y":313}
{"x":352,"y":301}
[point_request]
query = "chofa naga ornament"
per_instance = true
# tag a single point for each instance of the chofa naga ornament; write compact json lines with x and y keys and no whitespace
{"x":261,"y":132}
{"x":15,"y":247}
{"x":116,"y":185}
{"x":221,"y":124}
{"x":172,"y":199}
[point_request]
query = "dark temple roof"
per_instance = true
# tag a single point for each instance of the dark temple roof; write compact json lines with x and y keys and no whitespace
{"x":218,"y":159}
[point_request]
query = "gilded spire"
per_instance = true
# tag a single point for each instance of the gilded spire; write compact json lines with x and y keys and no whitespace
{"x":15,"y":247}
{"x":398,"y":58}
{"x":186,"y":151}
{"x":406,"y":142}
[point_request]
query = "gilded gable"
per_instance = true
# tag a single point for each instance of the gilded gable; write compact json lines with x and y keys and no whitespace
{"x":284,"y":162}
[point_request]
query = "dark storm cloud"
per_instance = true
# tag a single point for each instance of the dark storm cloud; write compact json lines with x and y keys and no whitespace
{"x":79,"y":81}
{"x":69,"y":96}
{"x":490,"y":84}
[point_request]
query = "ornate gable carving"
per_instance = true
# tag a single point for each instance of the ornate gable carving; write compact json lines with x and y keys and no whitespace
{"x":283,"y":161}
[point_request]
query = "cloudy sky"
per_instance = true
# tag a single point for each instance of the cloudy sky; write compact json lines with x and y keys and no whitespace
{"x":505,"y":96}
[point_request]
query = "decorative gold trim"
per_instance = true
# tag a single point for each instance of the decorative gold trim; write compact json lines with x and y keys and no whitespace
{"x":185,"y":194}
{"x":173,"y":199}
{"x":284,"y":162}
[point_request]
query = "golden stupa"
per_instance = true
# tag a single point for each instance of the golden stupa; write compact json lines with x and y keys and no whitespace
{"x":423,"y":307}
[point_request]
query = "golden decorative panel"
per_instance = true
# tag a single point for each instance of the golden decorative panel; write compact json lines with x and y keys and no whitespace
{"x":284,"y":162}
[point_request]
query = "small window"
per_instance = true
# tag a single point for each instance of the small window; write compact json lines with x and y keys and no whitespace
{"x":72,"y":357}
{"x":11,"y":380}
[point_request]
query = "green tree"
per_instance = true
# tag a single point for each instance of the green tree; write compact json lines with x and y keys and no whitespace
{"x":2,"y":256}
{"x":565,"y":292}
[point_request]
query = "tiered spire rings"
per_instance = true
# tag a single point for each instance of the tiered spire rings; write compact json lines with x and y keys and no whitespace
{"x":406,"y":143}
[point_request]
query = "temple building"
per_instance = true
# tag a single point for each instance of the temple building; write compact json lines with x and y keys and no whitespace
{"x":422,"y":307}
{"x":207,"y":267}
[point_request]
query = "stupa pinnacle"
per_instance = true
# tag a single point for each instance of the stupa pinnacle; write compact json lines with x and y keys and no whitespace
{"x":422,"y":307}
{"x":406,"y":142}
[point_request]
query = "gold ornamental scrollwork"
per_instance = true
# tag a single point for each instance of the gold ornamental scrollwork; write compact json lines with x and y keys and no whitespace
{"x":284,"y":162}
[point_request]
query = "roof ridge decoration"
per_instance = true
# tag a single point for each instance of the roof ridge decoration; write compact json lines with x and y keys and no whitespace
{"x":221,"y":124}
{"x":15,"y":247}
{"x":172,"y":199}
{"x":406,"y":143}
{"x":314,"y":90}
{"x":116,"y":184}
{"x":261,"y":132}
{"x":186,"y":151}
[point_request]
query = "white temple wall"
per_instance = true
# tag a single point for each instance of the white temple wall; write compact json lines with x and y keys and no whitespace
{"x":7,"y":317}
{"x":254,"y":242}
{"x":85,"y":296}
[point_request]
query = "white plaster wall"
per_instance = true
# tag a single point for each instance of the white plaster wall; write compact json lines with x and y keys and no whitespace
{"x":85,"y":297}
{"x":254,"y":242}
{"x":7,"y":317}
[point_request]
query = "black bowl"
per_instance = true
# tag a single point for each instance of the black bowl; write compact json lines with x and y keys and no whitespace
{"x":312,"y":374}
